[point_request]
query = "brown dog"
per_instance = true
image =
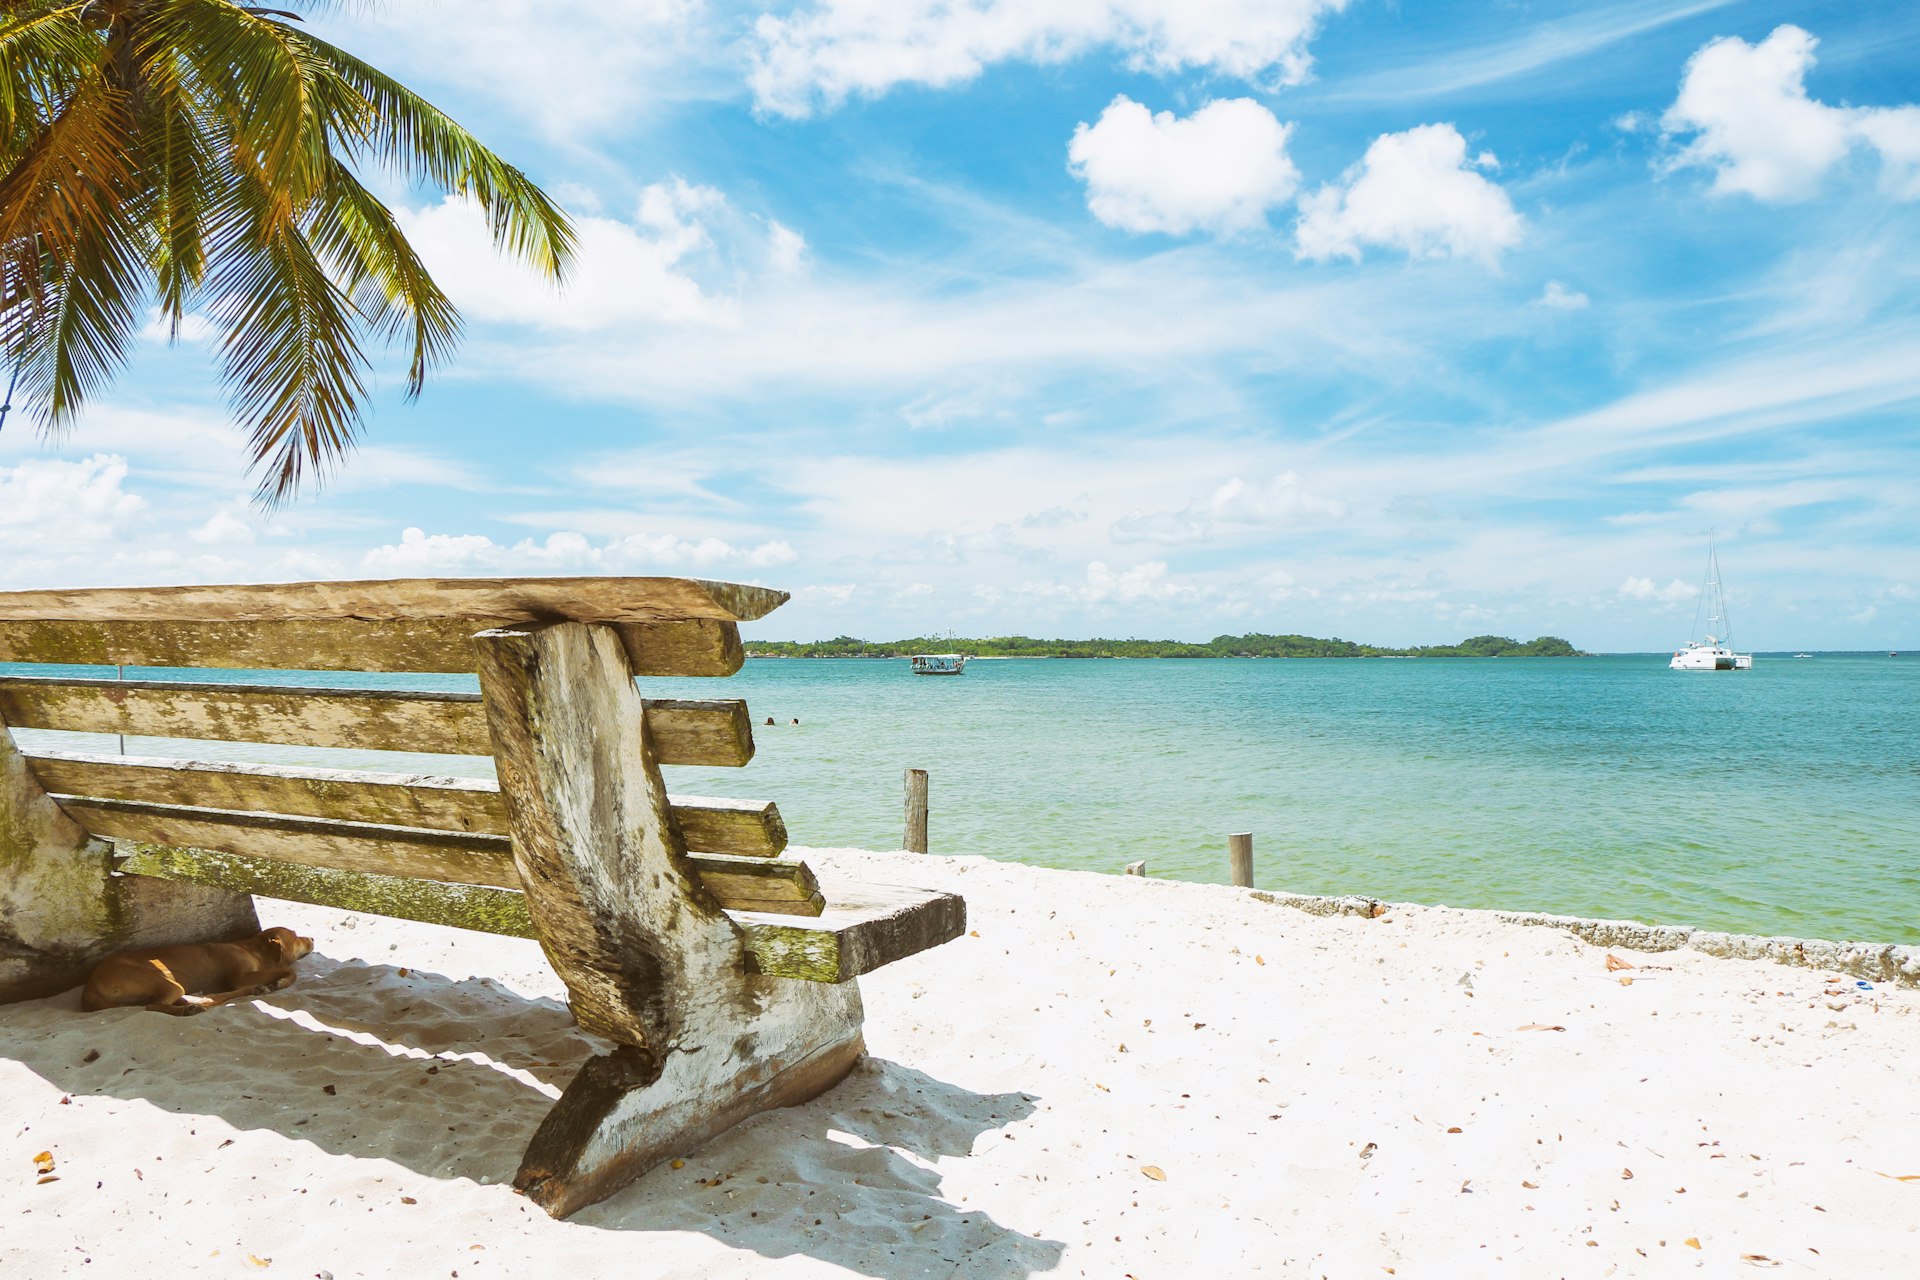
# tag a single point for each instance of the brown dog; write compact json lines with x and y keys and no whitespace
{"x":194,"y":977}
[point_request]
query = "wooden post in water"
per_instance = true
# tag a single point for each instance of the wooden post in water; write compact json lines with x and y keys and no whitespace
{"x":916,"y":837}
{"x":1240,"y":854}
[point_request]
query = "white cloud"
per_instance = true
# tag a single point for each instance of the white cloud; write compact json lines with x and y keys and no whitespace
{"x":832,"y":594}
{"x":1560,"y":298}
{"x":419,"y":552}
{"x":1675,"y":592}
{"x":1763,"y":136}
{"x":1233,"y":509}
{"x":1220,"y":169}
{"x":1895,"y":133}
{"x":818,"y":56}
{"x":597,"y":68}
{"x":623,"y":272}
{"x":52,"y":502}
{"x":1413,"y":191}
{"x":1865,"y":615}
{"x":786,"y":248}
{"x":1145,"y":581}
{"x":223,"y":527}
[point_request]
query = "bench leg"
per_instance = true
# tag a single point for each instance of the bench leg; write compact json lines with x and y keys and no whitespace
{"x":650,"y":959}
{"x":627,"y":1111}
{"x":61,"y":906}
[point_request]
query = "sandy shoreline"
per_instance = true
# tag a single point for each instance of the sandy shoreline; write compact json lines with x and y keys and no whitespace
{"x":1435,"y":1091}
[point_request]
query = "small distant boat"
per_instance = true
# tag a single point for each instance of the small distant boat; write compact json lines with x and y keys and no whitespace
{"x":1803,"y":655}
{"x":1713,"y":652}
{"x":939,"y":664}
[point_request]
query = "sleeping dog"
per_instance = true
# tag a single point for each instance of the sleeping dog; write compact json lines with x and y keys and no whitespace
{"x":196,"y":976}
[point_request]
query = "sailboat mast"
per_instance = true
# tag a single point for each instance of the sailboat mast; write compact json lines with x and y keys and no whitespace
{"x":1716,"y":599}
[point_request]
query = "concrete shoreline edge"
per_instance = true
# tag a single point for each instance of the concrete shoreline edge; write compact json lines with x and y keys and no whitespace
{"x":1894,"y":964}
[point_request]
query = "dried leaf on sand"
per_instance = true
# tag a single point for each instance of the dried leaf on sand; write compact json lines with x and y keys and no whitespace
{"x":1154,"y":1171}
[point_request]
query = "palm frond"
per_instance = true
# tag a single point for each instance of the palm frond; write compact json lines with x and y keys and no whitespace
{"x":358,"y":236}
{"x":293,"y":365}
{"x":42,"y":54}
{"x":72,"y":175}
{"x":203,"y":152}
{"x":92,"y":305}
{"x":262,"y":76}
{"x":179,"y":154}
{"x":424,"y":143}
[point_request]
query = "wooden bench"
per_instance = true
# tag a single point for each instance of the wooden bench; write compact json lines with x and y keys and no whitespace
{"x":722,"y":970}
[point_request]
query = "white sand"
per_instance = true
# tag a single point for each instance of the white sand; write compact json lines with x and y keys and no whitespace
{"x":1323,"y":1096}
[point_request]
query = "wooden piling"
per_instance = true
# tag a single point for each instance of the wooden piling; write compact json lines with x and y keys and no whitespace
{"x":916,"y":837}
{"x":1137,"y":868}
{"x":1240,"y":854}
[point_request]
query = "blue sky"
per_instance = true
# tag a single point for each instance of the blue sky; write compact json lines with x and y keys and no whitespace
{"x":1400,"y":322}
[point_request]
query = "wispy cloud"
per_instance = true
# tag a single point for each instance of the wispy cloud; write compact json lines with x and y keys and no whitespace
{"x":1465,"y":66}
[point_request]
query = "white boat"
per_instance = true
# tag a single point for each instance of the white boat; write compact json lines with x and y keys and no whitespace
{"x":1714,"y":651}
{"x":939,"y":664}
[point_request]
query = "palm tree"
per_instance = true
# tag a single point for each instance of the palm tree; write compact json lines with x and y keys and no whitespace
{"x":202,"y":156}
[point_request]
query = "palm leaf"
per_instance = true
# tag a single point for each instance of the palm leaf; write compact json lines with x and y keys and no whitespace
{"x":202,"y":152}
{"x":261,"y":76}
{"x":425,"y":144}
{"x":293,"y":365}
{"x":44,"y":50}
{"x":92,"y":307}
{"x":358,"y":236}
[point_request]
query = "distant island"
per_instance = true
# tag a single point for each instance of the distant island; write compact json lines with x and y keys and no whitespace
{"x":1248,"y":646}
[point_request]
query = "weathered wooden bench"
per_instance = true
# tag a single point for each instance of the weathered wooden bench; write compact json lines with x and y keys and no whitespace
{"x":722,"y":970}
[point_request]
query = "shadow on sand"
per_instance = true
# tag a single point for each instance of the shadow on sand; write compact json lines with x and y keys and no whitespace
{"x":450,"y":1078}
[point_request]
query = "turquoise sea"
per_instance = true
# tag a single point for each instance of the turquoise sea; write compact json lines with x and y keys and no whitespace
{"x":1781,"y":800}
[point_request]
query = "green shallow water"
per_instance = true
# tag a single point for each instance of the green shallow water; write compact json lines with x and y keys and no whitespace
{"x":1781,"y":800}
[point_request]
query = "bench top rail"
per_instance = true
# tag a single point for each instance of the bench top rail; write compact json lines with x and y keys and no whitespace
{"x":682,"y":647}
{"x":497,"y":599}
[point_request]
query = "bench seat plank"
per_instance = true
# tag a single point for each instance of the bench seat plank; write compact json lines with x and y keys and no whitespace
{"x":780,"y":885}
{"x":692,"y":647}
{"x":511,"y":599}
{"x":751,"y":828}
{"x":714,"y":731}
{"x":867,"y":925}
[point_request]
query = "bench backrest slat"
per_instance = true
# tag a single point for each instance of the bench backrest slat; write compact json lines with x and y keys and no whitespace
{"x":686,"y":731}
{"x":882,"y":925}
{"x":694,"y":647}
{"x":363,"y":719}
{"x":744,"y":884}
{"x":456,"y":857}
{"x":746,"y":827}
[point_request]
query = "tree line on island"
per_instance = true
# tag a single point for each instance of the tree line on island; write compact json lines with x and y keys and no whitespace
{"x":1254,"y":645}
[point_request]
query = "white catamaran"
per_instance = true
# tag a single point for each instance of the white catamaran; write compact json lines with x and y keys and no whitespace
{"x":1713,"y":652}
